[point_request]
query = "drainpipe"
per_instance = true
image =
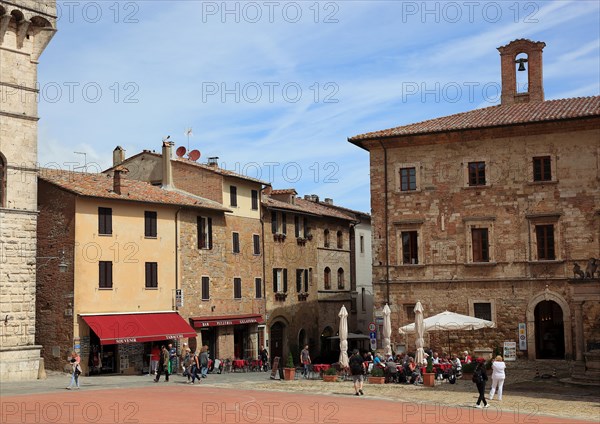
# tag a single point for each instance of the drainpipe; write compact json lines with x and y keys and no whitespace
{"x":176,"y":255}
{"x":386,"y":218}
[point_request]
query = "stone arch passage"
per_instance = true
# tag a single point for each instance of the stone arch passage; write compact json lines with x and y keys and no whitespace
{"x":532,"y":343}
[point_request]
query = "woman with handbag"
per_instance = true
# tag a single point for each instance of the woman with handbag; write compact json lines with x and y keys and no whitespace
{"x":479,"y":378}
{"x":76,"y":370}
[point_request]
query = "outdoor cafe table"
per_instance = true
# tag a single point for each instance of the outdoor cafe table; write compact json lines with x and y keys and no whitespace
{"x":321,"y":367}
{"x":438,"y":368}
{"x":238,"y":364}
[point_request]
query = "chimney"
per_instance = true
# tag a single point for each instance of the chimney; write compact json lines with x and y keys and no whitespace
{"x":531,"y":63}
{"x":311,"y":197}
{"x":117,"y":183}
{"x":118,"y":155}
{"x":213,"y":161}
{"x":167,"y":170}
{"x":329,"y":201}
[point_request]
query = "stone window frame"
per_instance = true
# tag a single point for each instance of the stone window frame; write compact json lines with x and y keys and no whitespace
{"x":258,"y":288}
{"x":237,"y":289}
{"x":207,"y":298}
{"x":341,"y":279}
{"x":340,"y":239}
{"x":544,"y":219}
{"x":255,"y":244}
{"x":553,"y":168}
{"x":480,"y":223}
{"x":406,"y":226}
{"x":492,"y":303}
{"x":465,"y":171}
{"x":418,"y":176}
{"x":233,"y":243}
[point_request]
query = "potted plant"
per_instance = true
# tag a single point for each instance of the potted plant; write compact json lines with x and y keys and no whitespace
{"x":330,"y":375}
{"x":376,"y":376}
{"x":289,"y":372}
{"x":467,"y":370}
{"x":429,"y":375}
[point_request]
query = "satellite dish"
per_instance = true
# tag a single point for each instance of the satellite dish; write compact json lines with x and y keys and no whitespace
{"x":180,"y":151}
{"x":194,"y":155}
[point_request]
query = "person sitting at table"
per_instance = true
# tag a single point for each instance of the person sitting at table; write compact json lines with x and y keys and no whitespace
{"x":445,"y":359}
{"x":435,"y":358}
{"x":391,"y":371}
{"x":466,"y":359}
{"x":377,"y":360}
{"x":413,"y":371}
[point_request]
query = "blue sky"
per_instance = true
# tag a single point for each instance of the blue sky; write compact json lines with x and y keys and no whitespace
{"x":274,"y":89}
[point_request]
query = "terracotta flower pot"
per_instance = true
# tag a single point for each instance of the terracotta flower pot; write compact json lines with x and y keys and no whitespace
{"x":429,"y":379}
{"x":289,"y":373}
{"x":329,"y":378}
{"x":376,"y":380}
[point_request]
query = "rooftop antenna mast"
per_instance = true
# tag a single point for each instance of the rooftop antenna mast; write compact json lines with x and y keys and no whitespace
{"x":84,"y":161}
{"x":188,"y":133}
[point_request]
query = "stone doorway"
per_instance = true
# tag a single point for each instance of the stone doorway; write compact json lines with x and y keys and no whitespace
{"x":276,"y":341}
{"x":549,"y":331}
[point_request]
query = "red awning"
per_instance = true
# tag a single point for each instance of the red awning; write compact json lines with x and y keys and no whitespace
{"x":226,"y":320}
{"x":139,"y":328}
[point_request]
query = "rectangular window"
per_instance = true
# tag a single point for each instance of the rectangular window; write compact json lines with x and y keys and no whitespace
{"x":408,"y":179}
{"x":205,"y":288}
{"x":297,"y":226}
{"x":362,"y":244}
{"x":476,"y":173}
{"x":151,"y":275}
{"x":409,"y":310}
{"x":306,"y":281}
{"x":299,"y":274}
{"x":236,"y":242}
{"x":481,"y":247}
{"x":410,"y":250}
{"x":150,"y":224}
{"x":305,"y":227}
{"x":542,"y":170}
{"x":105,"y":275}
{"x":274,"y":223}
{"x":545,"y":242}
{"x":232,"y":195}
{"x":254,"y":200}
{"x":258,"y":287}
{"x":256,"y":243}
{"x":283,"y":223}
{"x":483,"y":311}
{"x":237,"y":288}
{"x":279,"y":280}
{"x":204,"y":226}
{"x":363,"y":304}
{"x":105,"y":221}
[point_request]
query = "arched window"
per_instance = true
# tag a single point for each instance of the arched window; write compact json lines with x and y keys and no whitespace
{"x":327,"y":278}
{"x":340,"y":240}
{"x":340,"y":279}
{"x":2,"y":181}
{"x":326,"y":238}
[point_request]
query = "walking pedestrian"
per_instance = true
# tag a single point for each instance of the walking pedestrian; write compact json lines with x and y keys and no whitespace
{"x":163,"y":364}
{"x":498,"y":376}
{"x":357,"y":370}
{"x":172,"y":359}
{"x":76,"y":370}
{"x":479,"y":378}
{"x":305,"y":360}
{"x":195,"y":368}
{"x":186,"y":363}
{"x":204,"y":361}
{"x":264,"y":357}
{"x":154,"y":357}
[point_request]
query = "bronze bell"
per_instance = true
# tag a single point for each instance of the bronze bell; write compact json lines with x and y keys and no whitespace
{"x":521,"y":63}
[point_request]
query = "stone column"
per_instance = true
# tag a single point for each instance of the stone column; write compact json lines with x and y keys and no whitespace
{"x":579,"y":342}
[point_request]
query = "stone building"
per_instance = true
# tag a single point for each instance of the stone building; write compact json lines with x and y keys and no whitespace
{"x":486,"y":213}
{"x":221,"y":253}
{"x":118,"y":297}
{"x":26,"y":28}
{"x":308,"y":273}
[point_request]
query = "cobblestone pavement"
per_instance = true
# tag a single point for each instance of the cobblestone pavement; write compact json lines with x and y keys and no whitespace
{"x":532,"y":398}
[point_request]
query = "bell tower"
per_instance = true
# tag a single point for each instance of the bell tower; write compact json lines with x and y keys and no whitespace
{"x":530,"y":61}
{"x":26,"y":28}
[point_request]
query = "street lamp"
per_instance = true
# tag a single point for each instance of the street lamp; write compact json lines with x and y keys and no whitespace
{"x":62,"y":266}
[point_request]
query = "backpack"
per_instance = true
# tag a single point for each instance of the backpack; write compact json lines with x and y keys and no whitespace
{"x":477,"y":377}
{"x":356,"y":365}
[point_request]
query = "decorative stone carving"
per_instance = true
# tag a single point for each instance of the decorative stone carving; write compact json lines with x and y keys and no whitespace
{"x":591,"y":267}
{"x":577,"y":272}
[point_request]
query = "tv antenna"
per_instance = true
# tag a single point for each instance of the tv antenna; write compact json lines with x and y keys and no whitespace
{"x":84,"y":161}
{"x":189,"y":134}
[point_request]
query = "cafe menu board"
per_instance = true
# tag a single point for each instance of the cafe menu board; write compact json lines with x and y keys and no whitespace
{"x":275,"y":368}
{"x":510,"y":351}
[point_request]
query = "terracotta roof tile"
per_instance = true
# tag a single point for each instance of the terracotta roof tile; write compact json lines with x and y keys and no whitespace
{"x":494,"y":116}
{"x":308,"y":207}
{"x":285,"y":191}
{"x":101,"y":186}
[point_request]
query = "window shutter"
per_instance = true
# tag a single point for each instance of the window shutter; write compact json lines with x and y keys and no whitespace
{"x":305,"y":219}
{"x":297,"y":225}
{"x":285,"y":280}
{"x":274,"y":280}
{"x":108,"y":221}
{"x":109,"y":274}
{"x":148,"y":275}
{"x":476,"y":236}
{"x":210,"y":238}
{"x":306,"y":280}
{"x":283,"y":223}
{"x":102,"y":274}
{"x":274,"y":222}
{"x":258,"y":287}
{"x":299,"y":280}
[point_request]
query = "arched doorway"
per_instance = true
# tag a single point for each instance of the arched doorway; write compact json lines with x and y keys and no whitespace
{"x":549,"y":331}
{"x":276,"y":340}
{"x":301,"y":339}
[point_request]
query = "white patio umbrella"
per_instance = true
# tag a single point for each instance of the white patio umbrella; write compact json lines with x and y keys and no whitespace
{"x":343,"y":333}
{"x":448,"y":321}
{"x":418,"y":325}
{"x":387,"y":331}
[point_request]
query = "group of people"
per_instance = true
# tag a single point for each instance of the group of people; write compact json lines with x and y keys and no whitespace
{"x":480,"y":378}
